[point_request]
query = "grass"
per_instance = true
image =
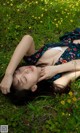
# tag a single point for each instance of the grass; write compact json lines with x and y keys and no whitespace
{"x":46,"y":21}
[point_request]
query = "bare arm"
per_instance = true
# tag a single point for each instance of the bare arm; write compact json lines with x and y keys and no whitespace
{"x":50,"y":71}
{"x":25,"y":47}
{"x":73,"y":65}
{"x":76,"y":41}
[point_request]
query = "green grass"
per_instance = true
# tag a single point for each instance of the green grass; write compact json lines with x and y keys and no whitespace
{"x":46,"y":21}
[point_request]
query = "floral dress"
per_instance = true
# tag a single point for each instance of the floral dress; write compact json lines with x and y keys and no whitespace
{"x":71,"y":53}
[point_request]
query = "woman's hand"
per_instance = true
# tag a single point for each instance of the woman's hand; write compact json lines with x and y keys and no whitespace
{"x":6,"y":83}
{"x":48,"y":72}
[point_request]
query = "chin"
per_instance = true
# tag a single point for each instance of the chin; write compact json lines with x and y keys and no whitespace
{"x":34,"y":68}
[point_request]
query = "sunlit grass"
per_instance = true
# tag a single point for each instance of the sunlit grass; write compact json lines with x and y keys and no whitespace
{"x":46,"y":21}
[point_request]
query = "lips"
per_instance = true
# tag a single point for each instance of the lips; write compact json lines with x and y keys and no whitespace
{"x":31,"y":68}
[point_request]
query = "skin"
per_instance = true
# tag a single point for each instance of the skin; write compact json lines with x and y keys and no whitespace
{"x":26,"y":77}
{"x":26,"y":47}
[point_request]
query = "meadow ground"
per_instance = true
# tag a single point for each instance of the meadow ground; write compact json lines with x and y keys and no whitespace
{"x":46,"y":21}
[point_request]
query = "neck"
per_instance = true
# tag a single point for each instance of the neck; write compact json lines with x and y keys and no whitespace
{"x":39,"y":71}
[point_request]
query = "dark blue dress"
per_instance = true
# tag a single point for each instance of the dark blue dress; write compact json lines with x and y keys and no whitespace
{"x":71,"y":53}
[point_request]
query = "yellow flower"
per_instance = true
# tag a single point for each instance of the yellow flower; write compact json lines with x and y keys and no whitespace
{"x":74,"y":99}
{"x":77,"y":4}
{"x":62,"y":102}
{"x":69,"y":100}
{"x":56,"y":10}
{"x":29,"y":27}
{"x":65,"y":9}
{"x":71,"y":93}
{"x":11,"y":4}
{"x":36,"y":2}
{"x":55,"y":19}
{"x":51,"y":3}
{"x":33,"y":16}
{"x":41,"y":15}
{"x":56,"y":25}
{"x":41,"y":21}
{"x":63,"y":113}
{"x":18,"y":10}
{"x":7,"y":2}
{"x":42,"y":8}
{"x":68,"y":13}
{"x":45,"y":9}
{"x":71,"y":20}
{"x":38,"y":17}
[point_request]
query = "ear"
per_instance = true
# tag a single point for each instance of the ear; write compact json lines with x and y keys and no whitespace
{"x":34,"y":88}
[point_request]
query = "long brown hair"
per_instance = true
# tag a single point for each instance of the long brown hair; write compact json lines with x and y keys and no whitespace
{"x":21,"y":97}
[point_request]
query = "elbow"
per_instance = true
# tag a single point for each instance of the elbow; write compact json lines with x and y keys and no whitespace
{"x":28,"y":38}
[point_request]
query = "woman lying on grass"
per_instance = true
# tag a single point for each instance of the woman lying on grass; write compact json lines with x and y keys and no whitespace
{"x":51,"y":68}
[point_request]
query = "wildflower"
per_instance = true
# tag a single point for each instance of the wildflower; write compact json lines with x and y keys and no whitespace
{"x":77,"y":4}
{"x":62,"y":102}
{"x":65,"y":9}
{"x":18,"y":10}
{"x":74,"y":99}
{"x":69,"y":100}
{"x":71,"y":93}
{"x":56,"y":10}
{"x":68,"y":13}
{"x":56,"y":25}
{"x":4,"y":4}
{"x":41,"y":21}
{"x":41,"y":15}
{"x":51,"y":3}
{"x":7,"y":2}
{"x":69,"y":114}
{"x":45,"y":9}
{"x":38,"y":17}
{"x":33,"y":16}
{"x":36,"y":2}
{"x":11,"y":4}
{"x":71,"y":21}
{"x":42,"y":8}
{"x":55,"y":19}
{"x":29,"y":27}
{"x":63,"y":113}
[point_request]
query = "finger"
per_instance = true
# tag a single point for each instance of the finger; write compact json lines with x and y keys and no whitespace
{"x":42,"y":69}
{"x":42,"y":73}
{"x":8,"y":90}
{"x":41,"y":78}
{"x":4,"y":91}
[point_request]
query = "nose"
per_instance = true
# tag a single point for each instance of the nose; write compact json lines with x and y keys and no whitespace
{"x":26,"y":71}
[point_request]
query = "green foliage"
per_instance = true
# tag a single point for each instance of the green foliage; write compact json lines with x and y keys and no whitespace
{"x":46,"y":21}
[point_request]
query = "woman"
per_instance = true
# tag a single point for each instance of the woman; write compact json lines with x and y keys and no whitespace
{"x":57,"y":63}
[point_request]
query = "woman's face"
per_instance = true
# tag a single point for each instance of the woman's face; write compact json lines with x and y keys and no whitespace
{"x":26,"y":77}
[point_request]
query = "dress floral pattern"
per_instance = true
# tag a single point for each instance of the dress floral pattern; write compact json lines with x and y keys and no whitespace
{"x":71,"y":53}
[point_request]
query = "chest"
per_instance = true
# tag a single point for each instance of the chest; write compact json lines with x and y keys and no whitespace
{"x":51,"y":56}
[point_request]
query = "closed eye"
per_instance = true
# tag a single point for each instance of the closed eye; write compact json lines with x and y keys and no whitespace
{"x":25,"y":78}
{"x":22,"y":80}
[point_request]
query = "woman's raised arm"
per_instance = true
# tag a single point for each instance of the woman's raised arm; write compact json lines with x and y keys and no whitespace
{"x":25,"y":47}
{"x":50,"y":71}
